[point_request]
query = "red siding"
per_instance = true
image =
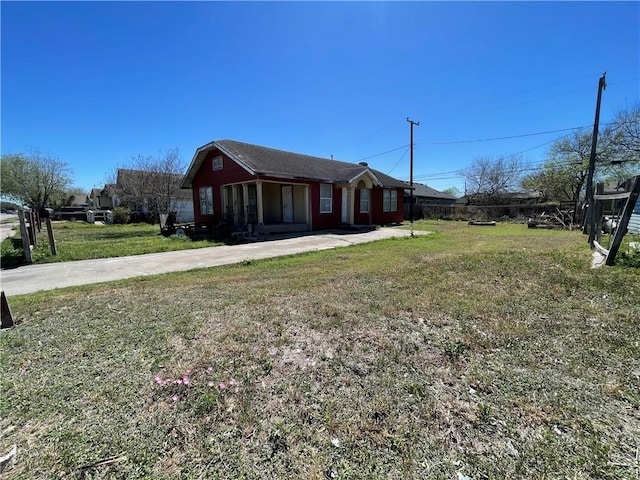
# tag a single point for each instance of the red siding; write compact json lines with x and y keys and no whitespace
{"x":231,"y":173}
{"x":378,"y":217}
{"x":361,"y":218}
{"x":324,"y":221}
{"x":234,"y":173}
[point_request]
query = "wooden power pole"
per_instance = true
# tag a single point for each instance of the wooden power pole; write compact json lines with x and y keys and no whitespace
{"x":589,"y":224}
{"x":411,"y":199}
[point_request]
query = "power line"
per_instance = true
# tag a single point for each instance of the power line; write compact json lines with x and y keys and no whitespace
{"x":454,"y":174}
{"x":459,"y":173}
{"x":522,"y":135}
{"x":383,"y":153}
{"x":398,"y":162}
{"x":503,"y":138}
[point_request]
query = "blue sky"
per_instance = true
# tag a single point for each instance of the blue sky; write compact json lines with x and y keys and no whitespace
{"x":96,"y":83}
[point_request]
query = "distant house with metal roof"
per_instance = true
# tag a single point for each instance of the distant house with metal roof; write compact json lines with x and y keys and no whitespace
{"x":251,"y":186}
{"x":425,"y":195}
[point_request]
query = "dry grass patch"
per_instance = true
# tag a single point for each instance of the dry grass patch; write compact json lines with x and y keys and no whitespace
{"x":401,"y":359}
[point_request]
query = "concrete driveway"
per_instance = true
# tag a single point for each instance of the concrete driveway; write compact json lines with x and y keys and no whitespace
{"x":33,"y":278}
{"x":8,"y":225}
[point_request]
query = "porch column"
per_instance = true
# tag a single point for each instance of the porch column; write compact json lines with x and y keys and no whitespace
{"x":223,"y":202}
{"x":245,"y":202}
{"x":234,"y":193}
{"x":351,"y":195}
{"x":307,"y":207}
{"x":259,"y":202}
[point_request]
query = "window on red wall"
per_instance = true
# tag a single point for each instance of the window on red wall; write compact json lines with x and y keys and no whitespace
{"x":217,"y":163}
{"x":206,"y":200}
{"x":364,"y":200}
{"x":389,"y":200}
{"x":326,"y":197}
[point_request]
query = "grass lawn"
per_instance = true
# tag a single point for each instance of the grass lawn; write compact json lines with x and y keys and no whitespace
{"x":493,"y":352}
{"x":82,"y":241}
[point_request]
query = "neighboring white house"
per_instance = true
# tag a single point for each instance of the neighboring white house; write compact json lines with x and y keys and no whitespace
{"x":137,"y":189}
{"x":183,"y":206}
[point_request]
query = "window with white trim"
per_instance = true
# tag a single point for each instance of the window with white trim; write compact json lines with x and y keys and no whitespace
{"x":389,"y":200}
{"x":217,"y":162}
{"x":326,"y":197}
{"x":364,"y":200}
{"x":206,"y":200}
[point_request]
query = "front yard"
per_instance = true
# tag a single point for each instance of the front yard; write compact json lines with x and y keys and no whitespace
{"x":82,"y":241}
{"x":486,"y":352}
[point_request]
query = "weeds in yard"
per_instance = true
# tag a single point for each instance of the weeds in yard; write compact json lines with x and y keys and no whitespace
{"x":499,"y":354}
{"x":629,"y":251}
{"x":454,"y":350}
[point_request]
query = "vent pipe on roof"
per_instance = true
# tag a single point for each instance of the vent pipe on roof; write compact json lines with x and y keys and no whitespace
{"x":364,"y":164}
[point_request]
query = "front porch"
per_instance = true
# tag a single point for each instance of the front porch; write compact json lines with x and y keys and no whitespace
{"x":267,"y":207}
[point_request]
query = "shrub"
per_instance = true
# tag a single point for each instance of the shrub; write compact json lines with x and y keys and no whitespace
{"x":121,"y":215}
{"x":11,"y":253}
{"x":629,"y":254}
{"x":629,"y":259}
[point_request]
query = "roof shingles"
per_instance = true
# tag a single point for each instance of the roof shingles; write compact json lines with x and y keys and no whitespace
{"x":279,"y":163}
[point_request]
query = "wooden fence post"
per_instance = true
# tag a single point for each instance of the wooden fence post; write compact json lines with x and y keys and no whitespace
{"x":24,"y":233}
{"x":6,"y":319}
{"x":32,"y":229}
{"x":52,"y":241}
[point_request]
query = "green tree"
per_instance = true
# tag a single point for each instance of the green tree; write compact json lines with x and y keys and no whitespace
{"x":555,"y":181}
{"x":563,"y":176}
{"x":455,"y":191}
{"x":565,"y":171}
{"x":33,"y":179}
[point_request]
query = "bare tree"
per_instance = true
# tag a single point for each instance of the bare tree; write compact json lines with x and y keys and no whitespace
{"x":151,"y":184}
{"x":34,"y":179}
{"x":492,"y":177}
{"x":563,"y":176}
{"x":624,"y":134}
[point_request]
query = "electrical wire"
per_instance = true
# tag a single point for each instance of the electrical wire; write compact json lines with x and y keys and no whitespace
{"x":503,"y":138}
{"x":398,"y":162}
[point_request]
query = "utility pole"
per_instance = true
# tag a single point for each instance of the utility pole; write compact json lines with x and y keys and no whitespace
{"x":412,"y":123}
{"x":589,"y":224}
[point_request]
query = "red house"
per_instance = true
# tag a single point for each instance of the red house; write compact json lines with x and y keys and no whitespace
{"x":268,"y":190}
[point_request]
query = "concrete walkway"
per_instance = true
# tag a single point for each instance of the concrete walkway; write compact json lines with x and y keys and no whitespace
{"x":33,"y":278}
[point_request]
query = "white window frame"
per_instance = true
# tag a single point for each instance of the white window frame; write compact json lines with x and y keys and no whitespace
{"x":389,"y":200}
{"x":217,"y":163}
{"x":365,"y":200}
{"x":326,"y":198}
{"x":206,"y":200}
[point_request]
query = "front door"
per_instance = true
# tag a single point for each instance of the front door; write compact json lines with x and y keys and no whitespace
{"x":287,"y":204}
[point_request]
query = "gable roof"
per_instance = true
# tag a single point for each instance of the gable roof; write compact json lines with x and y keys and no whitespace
{"x":258,"y":160}
{"x":420,"y":190}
